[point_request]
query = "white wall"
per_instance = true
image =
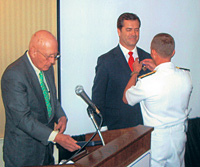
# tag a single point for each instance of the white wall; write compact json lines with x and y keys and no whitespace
{"x":88,"y":29}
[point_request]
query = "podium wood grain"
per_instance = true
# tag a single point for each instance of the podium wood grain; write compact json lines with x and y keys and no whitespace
{"x":123,"y":146}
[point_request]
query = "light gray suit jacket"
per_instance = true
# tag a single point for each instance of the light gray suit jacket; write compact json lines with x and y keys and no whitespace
{"x":27,"y":126}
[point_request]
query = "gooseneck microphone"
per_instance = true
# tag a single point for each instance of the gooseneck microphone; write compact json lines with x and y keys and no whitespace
{"x":91,"y":109}
{"x":80,"y":92}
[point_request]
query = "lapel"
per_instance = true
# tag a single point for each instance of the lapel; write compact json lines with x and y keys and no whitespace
{"x":119,"y":56}
{"x":34,"y":84}
{"x":50,"y":86}
{"x":143,"y":55}
{"x":140,"y":54}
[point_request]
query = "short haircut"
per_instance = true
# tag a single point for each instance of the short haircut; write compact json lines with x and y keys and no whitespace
{"x":163,"y":44}
{"x":127,"y":16}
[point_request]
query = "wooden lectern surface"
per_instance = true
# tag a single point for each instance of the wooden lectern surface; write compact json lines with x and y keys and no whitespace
{"x":123,"y":146}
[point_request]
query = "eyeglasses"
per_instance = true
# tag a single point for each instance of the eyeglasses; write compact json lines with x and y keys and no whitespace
{"x":55,"y":56}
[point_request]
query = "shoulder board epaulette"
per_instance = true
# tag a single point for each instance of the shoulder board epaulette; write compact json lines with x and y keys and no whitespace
{"x":183,"y":68}
{"x":145,"y":75}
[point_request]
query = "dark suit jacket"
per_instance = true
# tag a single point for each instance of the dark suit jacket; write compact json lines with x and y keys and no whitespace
{"x":112,"y":76}
{"x":27,"y":126}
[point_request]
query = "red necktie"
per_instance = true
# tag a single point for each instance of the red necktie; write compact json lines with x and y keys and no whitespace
{"x":130,"y":60}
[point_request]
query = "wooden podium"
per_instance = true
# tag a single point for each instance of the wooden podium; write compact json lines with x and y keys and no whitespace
{"x":122,"y":147}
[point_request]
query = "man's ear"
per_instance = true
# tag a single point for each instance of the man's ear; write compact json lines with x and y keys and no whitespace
{"x":173,"y":53}
{"x":32,"y":52}
{"x":153,"y":53}
{"x":118,"y":31}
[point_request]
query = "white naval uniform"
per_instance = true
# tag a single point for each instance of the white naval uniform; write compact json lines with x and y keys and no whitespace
{"x":164,"y":97}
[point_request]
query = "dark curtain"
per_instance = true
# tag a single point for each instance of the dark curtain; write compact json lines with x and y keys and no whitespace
{"x":192,"y":153}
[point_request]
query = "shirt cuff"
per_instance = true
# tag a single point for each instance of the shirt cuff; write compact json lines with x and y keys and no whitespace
{"x":52,"y":136}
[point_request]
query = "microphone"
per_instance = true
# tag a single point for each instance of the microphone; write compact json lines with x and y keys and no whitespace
{"x":80,"y":92}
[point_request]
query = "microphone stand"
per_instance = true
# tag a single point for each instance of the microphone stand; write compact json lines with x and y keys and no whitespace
{"x":91,"y":115}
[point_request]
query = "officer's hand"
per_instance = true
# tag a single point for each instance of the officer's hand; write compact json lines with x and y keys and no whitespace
{"x":149,"y":63}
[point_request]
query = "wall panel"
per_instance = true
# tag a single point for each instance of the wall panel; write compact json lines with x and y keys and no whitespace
{"x":19,"y":19}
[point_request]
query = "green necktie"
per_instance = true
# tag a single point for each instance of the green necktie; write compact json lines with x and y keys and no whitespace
{"x":45,"y":93}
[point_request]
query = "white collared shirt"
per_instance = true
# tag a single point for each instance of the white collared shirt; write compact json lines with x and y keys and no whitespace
{"x":125,"y":52}
{"x":37,"y":71}
{"x":53,"y":134}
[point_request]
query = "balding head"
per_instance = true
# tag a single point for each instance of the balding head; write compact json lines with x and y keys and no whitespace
{"x":42,"y":38}
{"x":41,"y":48}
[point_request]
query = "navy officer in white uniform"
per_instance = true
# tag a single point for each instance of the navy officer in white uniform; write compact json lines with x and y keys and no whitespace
{"x":164,"y":96}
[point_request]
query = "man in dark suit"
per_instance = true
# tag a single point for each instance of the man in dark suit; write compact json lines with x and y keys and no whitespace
{"x":30,"y":115}
{"x":113,"y":73}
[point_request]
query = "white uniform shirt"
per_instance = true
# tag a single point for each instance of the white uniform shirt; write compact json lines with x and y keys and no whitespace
{"x":163,"y":96}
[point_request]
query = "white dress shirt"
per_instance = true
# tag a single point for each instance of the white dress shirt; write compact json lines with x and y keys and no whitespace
{"x":125,"y":52}
{"x":37,"y":71}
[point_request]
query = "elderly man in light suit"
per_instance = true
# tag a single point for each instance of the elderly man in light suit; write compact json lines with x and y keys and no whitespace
{"x":29,"y":129}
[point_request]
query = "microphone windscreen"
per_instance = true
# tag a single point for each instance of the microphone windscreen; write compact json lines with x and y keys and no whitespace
{"x":79,"y":89}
